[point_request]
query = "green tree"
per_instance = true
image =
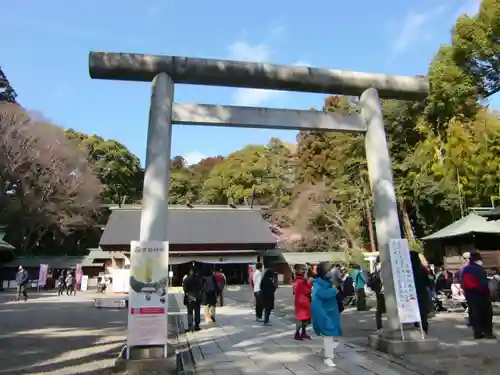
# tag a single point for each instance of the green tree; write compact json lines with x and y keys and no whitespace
{"x":476,"y":44}
{"x":118,"y":169}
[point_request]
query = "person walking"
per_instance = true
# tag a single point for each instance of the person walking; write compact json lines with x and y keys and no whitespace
{"x":325,"y":311}
{"x":302,"y":297}
{"x":257,"y":280}
{"x":477,"y":294}
{"x":422,"y":284}
{"x":61,"y":284}
{"x":22,"y":282}
{"x":192,"y":286}
{"x":359,"y":287}
{"x":209,"y":294}
{"x":70,"y":284}
{"x":221,"y":284}
{"x":268,"y":288}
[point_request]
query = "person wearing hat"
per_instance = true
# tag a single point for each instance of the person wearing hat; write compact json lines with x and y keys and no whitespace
{"x":477,"y":294}
{"x":325,"y":311}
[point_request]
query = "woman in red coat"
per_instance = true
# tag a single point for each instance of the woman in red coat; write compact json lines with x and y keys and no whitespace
{"x":302,"y":292}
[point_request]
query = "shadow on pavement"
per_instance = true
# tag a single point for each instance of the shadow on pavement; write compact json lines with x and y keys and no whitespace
{"x":58,"y":335}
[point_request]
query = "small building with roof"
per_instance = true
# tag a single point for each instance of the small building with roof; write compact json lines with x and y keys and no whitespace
{"x":472,"y":233}
{"x":231,"y":238}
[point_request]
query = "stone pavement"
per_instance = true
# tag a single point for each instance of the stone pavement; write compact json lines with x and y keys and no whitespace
{"x":60,"y":335}
{"x":458,"y":353}
{"x":238,"y":345}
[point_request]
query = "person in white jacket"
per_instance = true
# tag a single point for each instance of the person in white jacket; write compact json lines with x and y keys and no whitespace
{"x":256,"y":280}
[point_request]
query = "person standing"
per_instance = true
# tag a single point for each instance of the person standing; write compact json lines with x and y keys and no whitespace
{"x":325,"y":311}
{"x":221,"y":284}
{"x":477,"y":294}
{"x":268,"y":288}
{"x":192,"y":287}
{"x":22,"y":282}
{"x":257,"y":280}
{"x":374,"y":282}
{"x":302,"y":297}
{"x":359,"y":287}
{"x":422,"y":283}
{"x":209,"y":294}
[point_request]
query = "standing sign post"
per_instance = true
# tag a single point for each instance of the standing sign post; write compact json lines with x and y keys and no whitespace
{"x":147,"y":316}
{"x":404,"y":284}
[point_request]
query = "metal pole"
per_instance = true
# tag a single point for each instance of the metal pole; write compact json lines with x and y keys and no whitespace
{"x":384,"y":196}
{"x":154,"y":216}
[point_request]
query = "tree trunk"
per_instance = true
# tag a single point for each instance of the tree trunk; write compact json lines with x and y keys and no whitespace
{"x":369,"y":221}
{"x":406,"y":221}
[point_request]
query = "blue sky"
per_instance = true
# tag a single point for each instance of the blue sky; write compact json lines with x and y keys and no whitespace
{"x":45,"y":55}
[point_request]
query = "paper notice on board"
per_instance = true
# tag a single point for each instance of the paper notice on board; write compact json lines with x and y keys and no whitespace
{"x":404,"y":284}
{"x":148,"y":293}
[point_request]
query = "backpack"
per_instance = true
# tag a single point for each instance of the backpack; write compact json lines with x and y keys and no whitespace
{"x":210,"y":284}
{"x":374,"y":281}
{"x":494,"y":287}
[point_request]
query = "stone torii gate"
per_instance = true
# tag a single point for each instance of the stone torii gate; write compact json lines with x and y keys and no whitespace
{"x":166,"y":71}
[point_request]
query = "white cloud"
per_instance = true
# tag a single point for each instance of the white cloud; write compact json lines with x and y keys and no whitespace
{"x":193,"y":157}
{"x":254,"y":97}
{"x":244,"y":51}
{"x":414,"y":28}
{"x":303,"y":63}
{"x":468,"y":7}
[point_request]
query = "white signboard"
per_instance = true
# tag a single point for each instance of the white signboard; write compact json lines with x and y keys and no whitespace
{"x":404,"y":284}
{"x":148,"y":294}
{"x":85,"y":283}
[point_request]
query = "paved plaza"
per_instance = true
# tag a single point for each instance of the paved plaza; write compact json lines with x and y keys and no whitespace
{"x":458,"y":353}
{"x":58,"y":335}
{"x":66,"y":336}
{"x":238,"y":345}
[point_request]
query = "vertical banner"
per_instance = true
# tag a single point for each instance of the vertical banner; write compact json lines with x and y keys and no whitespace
{"x":404,"y":284}
{"x":42,"y":275}
{"x":148,"y":294}
{"x":78,"y":275}
{"x":85,"y":283}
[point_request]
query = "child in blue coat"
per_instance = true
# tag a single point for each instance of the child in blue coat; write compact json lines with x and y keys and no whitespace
{"x":325,"y":311}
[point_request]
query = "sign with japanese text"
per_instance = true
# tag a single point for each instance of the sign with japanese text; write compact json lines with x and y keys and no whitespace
{"x":404,"y":284}
{"x":148,"y":293}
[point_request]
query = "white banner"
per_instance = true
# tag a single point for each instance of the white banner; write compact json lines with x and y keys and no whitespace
{"x":42,"y":275}
{"x":85,"y":283}
{"x":404,"y":284}
{"x":148,"y":293}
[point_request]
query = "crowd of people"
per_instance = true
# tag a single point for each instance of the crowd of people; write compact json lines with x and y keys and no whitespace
{"x":321,"y":293}
{"x":202,"y":287}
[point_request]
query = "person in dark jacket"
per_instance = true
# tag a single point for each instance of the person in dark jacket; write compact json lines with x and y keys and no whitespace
{"x":268,"y":288}
{"x":475,"y":285}
{"x":209,"y":294}
{"x":422,"y":283}
{"x":22,"y":282}
{"x":192,"y":286}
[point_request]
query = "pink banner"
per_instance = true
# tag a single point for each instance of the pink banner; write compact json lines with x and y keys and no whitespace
{"x":78,"y":274}
{"x":42,"y":275}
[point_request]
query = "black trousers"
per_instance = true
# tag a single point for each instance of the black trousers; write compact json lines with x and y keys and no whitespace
{"x":360,"y":299}
{"x":481,"y":316}
{"x":258,"y":305}
{"x":267,"y":315}
{"x":380,"y":310}
{"x":21,"y":290}
{"x":193,"y":310}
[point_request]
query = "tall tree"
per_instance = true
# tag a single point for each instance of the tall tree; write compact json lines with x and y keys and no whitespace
{"x":118,"y":169}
